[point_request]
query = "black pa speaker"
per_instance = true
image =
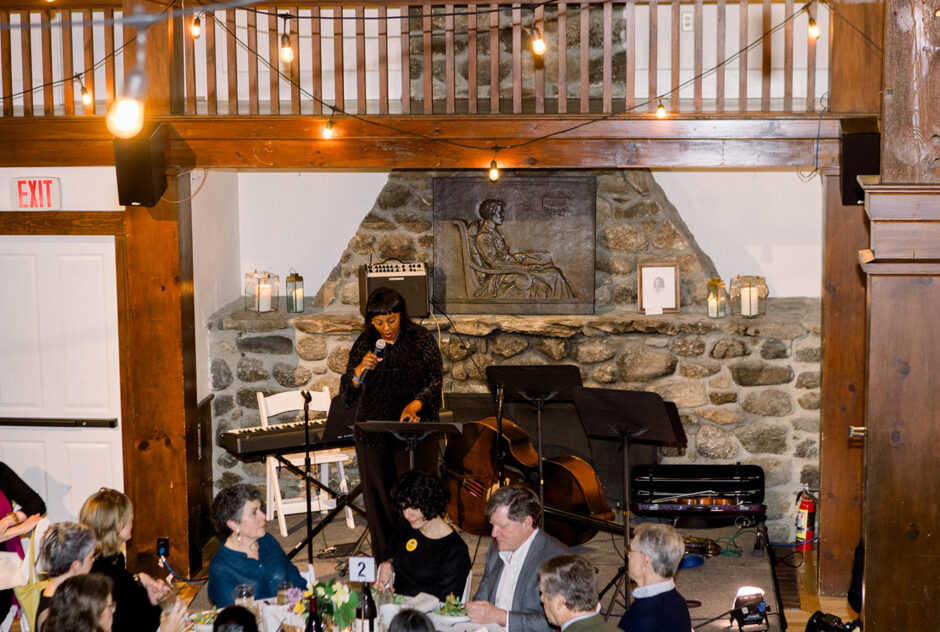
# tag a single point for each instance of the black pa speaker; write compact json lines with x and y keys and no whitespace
{"x":141,"y":167}
{"x":408,"y":279}
{"x":860,"y":155}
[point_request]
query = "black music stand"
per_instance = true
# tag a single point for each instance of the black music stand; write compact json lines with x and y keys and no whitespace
{"x":616,"y":415}
{"x":410,"y":433}
{"x":535,"y":384}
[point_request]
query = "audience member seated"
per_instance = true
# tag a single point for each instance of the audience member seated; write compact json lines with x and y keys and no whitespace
{"x":509,"y":592}
{"x":655,"y":553}
{"x":110,"y":515}
{"x":67,"y":550}
{"x":82,"y":604}
{"x":409,"y":620}
{"x":248,"y":555}
{"x":235,"y":619}
{"x":426,"y":554}
{"x":14,"y":524}
{"x":569,"y":595}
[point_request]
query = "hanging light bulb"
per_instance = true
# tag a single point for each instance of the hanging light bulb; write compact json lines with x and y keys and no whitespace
{"x":125,"y":117}
{"x":538,"y":43}
{"x":813,"y":29}
{"x":287,"y":52}
{"x":86,"y":97}
{"x":196,"y":28}
{"x":494,"y":171}
{"x":661,"y":110}
{"x":328,"y":129}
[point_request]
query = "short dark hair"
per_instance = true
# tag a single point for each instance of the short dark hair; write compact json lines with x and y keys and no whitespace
{"x":64,"y":543}
{"x":382,"y":302}
{"x":229,"y":503}
{"x":572,"y":577}
{"x":409,"y":620}
{"x":235,"y":619}
{"x":488,"y":207}
{"x":520,"y":502}
{"x":78,"y":603}
{"x":422,"y":491}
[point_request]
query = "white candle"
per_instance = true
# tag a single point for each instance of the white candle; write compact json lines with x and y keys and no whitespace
{"x":264,"y":297}
{"x":299,"y":299}
{"x":713,"y":307}
{"x":749,"y":301}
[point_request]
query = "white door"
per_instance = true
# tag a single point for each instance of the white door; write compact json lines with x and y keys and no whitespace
{"x":59,"y":364}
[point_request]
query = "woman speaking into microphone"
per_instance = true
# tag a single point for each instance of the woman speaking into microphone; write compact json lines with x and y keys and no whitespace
{"x":394,"y":373}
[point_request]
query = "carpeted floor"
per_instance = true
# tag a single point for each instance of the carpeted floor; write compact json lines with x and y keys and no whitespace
{"x":713,"y":584}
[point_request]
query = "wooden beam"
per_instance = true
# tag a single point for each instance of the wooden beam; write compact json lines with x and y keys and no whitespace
{"x":62,"y":223}
{"x":853,"y":87}
{"x":845,"y":231}
{"x":296,"y":143}
{"x":157,"y":372}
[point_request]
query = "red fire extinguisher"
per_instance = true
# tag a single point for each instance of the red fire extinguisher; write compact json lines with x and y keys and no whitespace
{"x":805,"y":520}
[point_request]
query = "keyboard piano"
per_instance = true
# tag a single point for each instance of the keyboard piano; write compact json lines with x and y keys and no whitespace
{"x":288,"y":438}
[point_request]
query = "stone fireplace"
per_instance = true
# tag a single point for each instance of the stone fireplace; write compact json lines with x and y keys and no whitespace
{"x":747,"y":389}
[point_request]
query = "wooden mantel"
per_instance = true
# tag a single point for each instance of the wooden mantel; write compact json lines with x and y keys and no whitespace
{"x":295,"y":142}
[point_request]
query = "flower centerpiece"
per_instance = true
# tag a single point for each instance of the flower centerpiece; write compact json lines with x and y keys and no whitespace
{"x":334,"y":601}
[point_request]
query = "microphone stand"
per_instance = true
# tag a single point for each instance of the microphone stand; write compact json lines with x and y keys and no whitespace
{"x":307,"y":398}
{"x":499,"y":435}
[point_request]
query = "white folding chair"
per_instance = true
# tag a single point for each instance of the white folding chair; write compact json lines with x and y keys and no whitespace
{"x":466,"y":588}
{"x":292,"y":401}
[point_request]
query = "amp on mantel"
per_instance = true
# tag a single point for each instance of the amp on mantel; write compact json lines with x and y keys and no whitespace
{"x":410,"y":279}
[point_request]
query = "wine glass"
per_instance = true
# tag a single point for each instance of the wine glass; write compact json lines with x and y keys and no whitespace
{"x":244,"y":595}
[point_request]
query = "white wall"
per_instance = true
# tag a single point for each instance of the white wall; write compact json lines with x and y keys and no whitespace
{"x":766,"y":223}
{"x":83,"y":188}
{"x":301,"y":220}
{"x":216,"y":264}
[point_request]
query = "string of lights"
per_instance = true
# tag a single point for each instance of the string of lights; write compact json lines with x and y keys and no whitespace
{"x":134,"y":85}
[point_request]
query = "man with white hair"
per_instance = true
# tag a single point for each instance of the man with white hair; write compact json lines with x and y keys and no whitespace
{"x":569,"y":595}
{"x":655,"y":553}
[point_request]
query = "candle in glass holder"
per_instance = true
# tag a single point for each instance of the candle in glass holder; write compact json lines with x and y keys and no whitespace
{"x":749,"y":298}
{"x":713,"y":307}
{"x":264,"y":297}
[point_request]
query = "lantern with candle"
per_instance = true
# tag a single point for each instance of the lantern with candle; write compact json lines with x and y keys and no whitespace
{"x":748,"y":296}
{"x":261,"y":291}
{"x":295,"y":292}
{"x":717,"y":299}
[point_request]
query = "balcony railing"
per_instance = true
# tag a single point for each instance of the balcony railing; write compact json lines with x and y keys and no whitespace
{"x":737,"y":58}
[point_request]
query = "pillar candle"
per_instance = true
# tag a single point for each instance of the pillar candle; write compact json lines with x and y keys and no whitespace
{"x":264,"y":297}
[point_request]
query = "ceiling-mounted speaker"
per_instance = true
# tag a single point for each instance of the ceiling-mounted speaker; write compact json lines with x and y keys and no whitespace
{"x":141,"y":167}
{"x":859,"y":155}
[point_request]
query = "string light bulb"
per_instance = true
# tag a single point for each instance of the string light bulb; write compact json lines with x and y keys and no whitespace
{"x":195,"y":28}
{"x":328,"y":129}
{"x":86,"y":97}
{"x":661,"y":110}
{"x":494,"y":171}
{"x":813,"y":28}
{"x":125,"y":117}
{"x":287,"y":51}
{"x":538,"y":43}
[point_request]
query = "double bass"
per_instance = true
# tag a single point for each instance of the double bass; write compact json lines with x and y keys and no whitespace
{"x":468,"y":473}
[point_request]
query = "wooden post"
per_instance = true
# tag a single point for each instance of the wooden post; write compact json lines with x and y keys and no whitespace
{"x":853,"y":88}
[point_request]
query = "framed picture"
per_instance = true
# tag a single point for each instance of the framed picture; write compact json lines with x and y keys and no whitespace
{"x":658,"y":287}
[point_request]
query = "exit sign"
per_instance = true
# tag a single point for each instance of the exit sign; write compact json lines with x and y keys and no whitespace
{"x":35,"y":194}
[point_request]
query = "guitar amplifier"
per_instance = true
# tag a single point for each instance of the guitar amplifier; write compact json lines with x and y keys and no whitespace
{"x":410,"y":279}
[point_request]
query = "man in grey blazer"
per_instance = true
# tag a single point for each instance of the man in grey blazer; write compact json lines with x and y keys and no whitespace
{"x":509,"y":592}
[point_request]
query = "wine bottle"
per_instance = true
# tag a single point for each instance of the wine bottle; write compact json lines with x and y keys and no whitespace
{"x":366,"y":612}
{"x":314,"y":623}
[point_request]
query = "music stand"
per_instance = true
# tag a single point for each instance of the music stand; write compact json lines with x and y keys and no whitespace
{"x":617,"y":415}
{"x":410,"y":433}
{"x":535,"y":384}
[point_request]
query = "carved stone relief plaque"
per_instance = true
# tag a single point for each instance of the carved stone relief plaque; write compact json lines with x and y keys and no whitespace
{"x":516,"y":246}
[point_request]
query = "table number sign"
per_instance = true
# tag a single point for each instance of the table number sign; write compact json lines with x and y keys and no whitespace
{"x":362,"y":569}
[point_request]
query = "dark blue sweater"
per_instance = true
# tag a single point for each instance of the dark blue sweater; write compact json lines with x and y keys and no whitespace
{"x":665,"y":612}
{"x":230,"y":568}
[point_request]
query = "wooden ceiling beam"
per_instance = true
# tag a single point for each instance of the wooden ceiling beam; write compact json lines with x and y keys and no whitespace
{"x":415,"y":142}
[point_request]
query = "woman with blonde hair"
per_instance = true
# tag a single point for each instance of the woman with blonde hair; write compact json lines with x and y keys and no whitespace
{"x":110,"y":515}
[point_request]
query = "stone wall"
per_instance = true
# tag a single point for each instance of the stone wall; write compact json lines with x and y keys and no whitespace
{"x":747,"y":389}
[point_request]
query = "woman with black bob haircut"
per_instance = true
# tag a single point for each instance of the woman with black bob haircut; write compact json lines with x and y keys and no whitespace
{"x":426,"y":554}
{"x":394,"y":373}
{"x":235,"y":619}
{"x":248,"y":555}
{"x":409,"y":620}
{"x":82,"y":604}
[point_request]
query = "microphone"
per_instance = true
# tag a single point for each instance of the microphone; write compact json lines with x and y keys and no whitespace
{"x":380,"y":345}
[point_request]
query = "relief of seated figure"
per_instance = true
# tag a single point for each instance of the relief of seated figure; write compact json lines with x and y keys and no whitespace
{"x":538,"y":278}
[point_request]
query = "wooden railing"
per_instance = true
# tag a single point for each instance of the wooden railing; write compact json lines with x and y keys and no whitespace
{"x":446,"y":59}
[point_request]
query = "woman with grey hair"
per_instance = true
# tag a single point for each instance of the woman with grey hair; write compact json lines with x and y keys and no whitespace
{"x":248,"y":554}
{"x":67,"y":550}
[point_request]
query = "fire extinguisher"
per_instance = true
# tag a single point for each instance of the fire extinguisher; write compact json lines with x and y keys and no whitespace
{"x":805,"y":520}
